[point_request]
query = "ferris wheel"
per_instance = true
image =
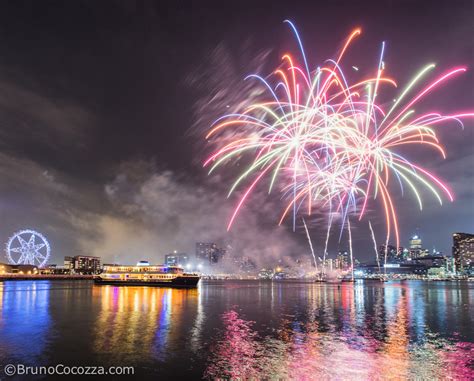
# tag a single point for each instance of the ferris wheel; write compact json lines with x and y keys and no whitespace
{"x":28,"y":247}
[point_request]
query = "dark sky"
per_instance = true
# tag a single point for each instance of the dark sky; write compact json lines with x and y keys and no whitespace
{"x":100,"y":132}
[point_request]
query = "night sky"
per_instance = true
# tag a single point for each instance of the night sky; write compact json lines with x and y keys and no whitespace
{"x":103,"y":108}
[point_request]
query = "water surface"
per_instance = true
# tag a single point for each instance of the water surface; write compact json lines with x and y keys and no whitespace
{"x":244,"y":329}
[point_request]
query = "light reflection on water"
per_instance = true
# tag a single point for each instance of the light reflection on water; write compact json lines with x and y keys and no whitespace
{"x":353,"y":343}
{"x":24,"y":315}
{"x":242,"y":330}
{"x":140,"y":321}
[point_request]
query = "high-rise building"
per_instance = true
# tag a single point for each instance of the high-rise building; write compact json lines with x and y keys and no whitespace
{"x":204,"y":250}
{"x":416,"y":247}
{"x":415,"y":242}
{"x":209,"y":252}
{"x":241,"y":263}
{"x":83,"y":264}
{"x":463,"y":252}
{"x":342,"y":260}
{"x":218,"y":255}
{"x":329,"y":264}
{"x":177,"y":259}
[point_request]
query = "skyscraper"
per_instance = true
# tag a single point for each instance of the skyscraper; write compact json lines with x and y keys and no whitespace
{"x":463,"y":252}
{"x":416,"y":247}
{"x":415,"y":242}
{"x":342,"y":260}
{"x":209,"y":252}
{"x":176,"y":259}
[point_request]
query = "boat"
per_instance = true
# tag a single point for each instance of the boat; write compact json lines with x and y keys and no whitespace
{"x":374,"y":279}
{"x":320,"y":279}
{"x":347,"y":280}
{"x":144,"y":274}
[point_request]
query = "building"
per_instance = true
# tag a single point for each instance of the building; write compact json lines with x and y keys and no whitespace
{"x":450,"y":265}
{"x":209,"y":252}
{"x":204,"y":251}
{"x":463,"y":253}
{"x":177,"y":259}
{"x":431,"y":261}
{"x":394,"y":268}
{"x":217,"y":255}
{"x":342,"y":261}
{"x":416,"y":247}
{"x":406,"y":254}
{"x":55,"y":270}
{"x":83,"y":264}
{"x":394,"y":255}
{"x":415,"y":243}
{"x":265,"y":274}
{"x":241,"y":263}
{"x":69,"y":263}
{"x":329,"y":265}
{"x":8,"y":268}
{"x":437,"y":272}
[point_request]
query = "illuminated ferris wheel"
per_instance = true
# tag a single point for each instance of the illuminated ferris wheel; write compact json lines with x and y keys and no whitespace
{"x":28,"y":247}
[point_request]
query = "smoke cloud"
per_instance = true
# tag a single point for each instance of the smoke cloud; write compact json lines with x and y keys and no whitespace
{"x":162,"y":211}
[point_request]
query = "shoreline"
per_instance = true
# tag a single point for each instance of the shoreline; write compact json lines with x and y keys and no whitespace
{"x":215,"y":280}
{"x":6,"y":277}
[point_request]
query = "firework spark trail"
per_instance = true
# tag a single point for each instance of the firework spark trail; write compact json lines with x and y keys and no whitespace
{"x":310,"y":244}
{"x":326,"y":143}
{"x":375,"y":246}
{"x":350,"y":246}
{"x":326,"y":243}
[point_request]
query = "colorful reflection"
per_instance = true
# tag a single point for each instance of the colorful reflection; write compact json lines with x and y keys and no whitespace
{"x":142,"y":322}
{"x":245,"y":330}
{"x":340,"y":336}
{"x":25,"y":320}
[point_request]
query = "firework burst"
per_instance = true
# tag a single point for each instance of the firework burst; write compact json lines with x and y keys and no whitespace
{"x":329,"y":145}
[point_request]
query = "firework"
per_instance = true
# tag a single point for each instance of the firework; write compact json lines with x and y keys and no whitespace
{"x":375,"y":246}
{"x":328,"y":145}
{"x":349,"y":232}
{"x":310,"y":244}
